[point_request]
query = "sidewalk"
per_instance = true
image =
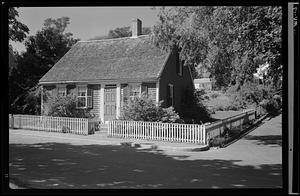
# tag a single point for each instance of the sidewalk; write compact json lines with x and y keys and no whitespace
{"x":102,"y":139}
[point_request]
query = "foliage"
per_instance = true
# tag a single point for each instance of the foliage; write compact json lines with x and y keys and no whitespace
{"x":192,"y":108}
{"x":121,"y":32}
{"x":43,"y":50}
{"x":217,"y":142}
{"x":16,"y":30}
{"x":234,"y":40}
{"x":249,"y":94}
{"x":65,"y":107}
{"x":145,"y":109}
{"x":272,"y":104}
{"x":278,"y":99}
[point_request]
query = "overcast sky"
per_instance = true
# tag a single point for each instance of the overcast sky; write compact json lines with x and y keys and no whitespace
{"x":85,"y":22}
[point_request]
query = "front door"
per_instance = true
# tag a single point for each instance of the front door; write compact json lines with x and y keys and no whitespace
{"x":109,"y":103}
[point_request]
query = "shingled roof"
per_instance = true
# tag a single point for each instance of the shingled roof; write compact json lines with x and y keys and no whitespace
{"x":112,"y":59}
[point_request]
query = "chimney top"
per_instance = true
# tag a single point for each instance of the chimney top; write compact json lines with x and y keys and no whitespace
{"x":136,"y":27}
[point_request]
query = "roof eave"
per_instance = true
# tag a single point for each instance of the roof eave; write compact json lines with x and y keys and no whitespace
{"x":99,"y":81}
{"x":164,"y":64}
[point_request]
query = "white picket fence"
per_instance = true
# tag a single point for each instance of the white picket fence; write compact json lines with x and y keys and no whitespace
{"x":53,"y":124}
{"x":217,"y":128}
{"x":189,"y":133}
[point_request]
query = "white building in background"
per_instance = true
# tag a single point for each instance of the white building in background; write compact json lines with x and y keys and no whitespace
{"x":262,"y":71}
{"x":203,"y":83}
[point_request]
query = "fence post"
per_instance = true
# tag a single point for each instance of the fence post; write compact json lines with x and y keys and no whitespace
{"x":241,"y":125}
{"x":204,"y":140}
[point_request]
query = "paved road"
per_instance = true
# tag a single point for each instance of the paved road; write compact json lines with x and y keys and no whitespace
{"x":64,"y":161}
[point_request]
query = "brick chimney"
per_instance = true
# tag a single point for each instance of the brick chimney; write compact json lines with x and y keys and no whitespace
{"x":136,"y":27}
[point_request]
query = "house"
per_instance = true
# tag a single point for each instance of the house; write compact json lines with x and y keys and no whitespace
{"x":104,"y":74}
{"x":203,"y":83}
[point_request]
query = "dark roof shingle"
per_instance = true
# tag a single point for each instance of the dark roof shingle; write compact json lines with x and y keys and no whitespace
{"x":123,"y":58}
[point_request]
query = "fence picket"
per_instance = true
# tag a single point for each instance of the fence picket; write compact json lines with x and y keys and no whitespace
{"x":51,"y":124}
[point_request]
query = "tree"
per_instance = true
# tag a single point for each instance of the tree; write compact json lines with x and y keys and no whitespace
{"x":16,"y":30}
{"x":229,"y":41}
{"x":121,"y":32}
{"x":43,"y":50}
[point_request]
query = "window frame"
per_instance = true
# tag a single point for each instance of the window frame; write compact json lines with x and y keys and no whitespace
{"x":138,"y":90}
{"x":61,"y":86}
{"x":88,"y":94}
{"x":171,"y":94}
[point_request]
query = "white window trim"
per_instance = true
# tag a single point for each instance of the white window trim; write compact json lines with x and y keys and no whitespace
{"x":86,"y":97}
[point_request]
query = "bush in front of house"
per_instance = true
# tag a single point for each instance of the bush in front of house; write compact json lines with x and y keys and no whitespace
{"x":145,"y":109}
{"x":65,"y":107}
{"x":193,"y":109}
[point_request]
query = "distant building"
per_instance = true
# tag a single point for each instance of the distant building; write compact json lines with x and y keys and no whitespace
{"x":261,"y":73}
{"x":203,"y":83}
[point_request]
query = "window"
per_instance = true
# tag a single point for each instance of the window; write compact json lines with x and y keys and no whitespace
{"x":179,"y":65}
{"x":84,"y":97}
{"x":134,"y":91}
{"x":149,"y":89}
{"x":170,"y":95}
{"x":61,"y":91}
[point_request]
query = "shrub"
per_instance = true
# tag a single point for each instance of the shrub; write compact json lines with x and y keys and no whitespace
{"x":192,"y":108}
{"x":65,"y":107}
{"x":145,"y":109}
{"x":278,"y":99}
{"x":214,"y":95}
{"x":249,"y":94}
{"x":270,"y":105}
{"x":217,"y":141}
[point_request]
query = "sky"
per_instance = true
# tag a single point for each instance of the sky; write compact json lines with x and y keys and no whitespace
{"x":85,"y":22}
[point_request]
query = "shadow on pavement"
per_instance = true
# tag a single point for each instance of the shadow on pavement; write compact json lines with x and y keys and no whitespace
{"x":266,"y":139}
{"x":62,"y":165}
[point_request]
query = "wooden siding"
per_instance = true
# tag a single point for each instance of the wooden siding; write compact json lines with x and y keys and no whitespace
{"x":170,"y":76}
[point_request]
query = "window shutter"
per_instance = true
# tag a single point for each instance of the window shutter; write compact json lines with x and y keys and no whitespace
{"x":144,"y":90}
{"x":89,"y":97}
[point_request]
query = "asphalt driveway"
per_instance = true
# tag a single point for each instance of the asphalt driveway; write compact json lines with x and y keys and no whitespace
{"x":255,"y":161}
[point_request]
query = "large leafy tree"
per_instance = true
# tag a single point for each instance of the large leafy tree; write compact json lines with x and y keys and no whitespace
{"x":229,"y":41}
{"x":16,"y":32}
{"x":43,"y":50}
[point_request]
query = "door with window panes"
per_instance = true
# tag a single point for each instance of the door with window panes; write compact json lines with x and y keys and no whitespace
{"x":109,"y":103}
